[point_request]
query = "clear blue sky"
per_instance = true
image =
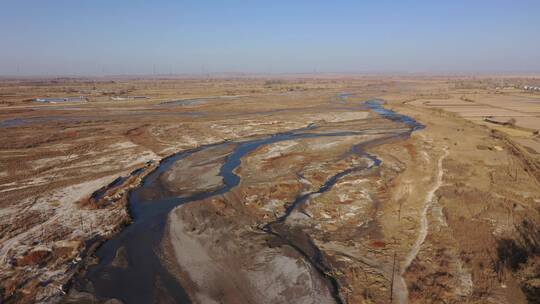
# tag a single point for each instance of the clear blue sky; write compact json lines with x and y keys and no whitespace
{"x":81,"y":37}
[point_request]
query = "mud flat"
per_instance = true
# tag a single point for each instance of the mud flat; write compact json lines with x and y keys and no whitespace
{"x":222,"y":261}
{"x":56,"y":160}
{"x":345,"y":212}
{"x":212,"y":233}
{"x":310,"y":194}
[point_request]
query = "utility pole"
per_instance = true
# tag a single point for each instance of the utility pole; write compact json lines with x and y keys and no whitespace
{"x":393,"y":275}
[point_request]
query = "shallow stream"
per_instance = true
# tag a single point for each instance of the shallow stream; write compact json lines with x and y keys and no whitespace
{"x":141,"y":277}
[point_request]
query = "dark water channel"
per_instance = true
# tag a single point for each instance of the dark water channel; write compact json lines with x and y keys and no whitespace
{"x":146,"y":279}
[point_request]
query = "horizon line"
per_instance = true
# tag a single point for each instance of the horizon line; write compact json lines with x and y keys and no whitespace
{"x":276,"y":74}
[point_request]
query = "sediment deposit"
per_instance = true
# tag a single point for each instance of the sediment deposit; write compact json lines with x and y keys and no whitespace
{"x":270,"y":195}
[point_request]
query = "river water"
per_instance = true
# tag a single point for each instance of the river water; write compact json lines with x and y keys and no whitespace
{"x":145,"y":278}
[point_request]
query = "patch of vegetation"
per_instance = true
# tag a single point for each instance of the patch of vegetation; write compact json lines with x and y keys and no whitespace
{"x":522,"y":256}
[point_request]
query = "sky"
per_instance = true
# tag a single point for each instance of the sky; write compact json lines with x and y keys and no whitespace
{"x":121,"y":37}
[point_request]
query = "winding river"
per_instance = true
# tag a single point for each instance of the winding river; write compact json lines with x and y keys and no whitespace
{"x":145,"y":275}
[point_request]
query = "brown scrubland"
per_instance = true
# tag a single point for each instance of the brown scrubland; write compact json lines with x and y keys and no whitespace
{"x":359,"y":208}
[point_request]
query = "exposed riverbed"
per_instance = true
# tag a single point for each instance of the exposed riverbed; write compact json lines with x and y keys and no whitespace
{"x":131,"y":266}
